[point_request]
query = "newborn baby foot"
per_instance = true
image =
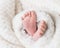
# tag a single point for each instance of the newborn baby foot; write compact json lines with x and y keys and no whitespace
{"x":29,"y":22}
{"x":41,"y":30}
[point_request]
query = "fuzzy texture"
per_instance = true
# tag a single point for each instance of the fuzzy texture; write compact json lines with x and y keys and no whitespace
{"x":7,"y":12}
{"x":53,"y":8}
{"x":9,"y":8}
{"x":27,"y":40}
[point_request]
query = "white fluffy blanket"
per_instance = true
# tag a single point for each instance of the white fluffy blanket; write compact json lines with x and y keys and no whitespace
{"x":27,"y":40}
{"x":9,"y":8}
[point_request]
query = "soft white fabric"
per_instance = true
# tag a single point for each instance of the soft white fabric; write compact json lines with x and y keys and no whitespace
{"x":27,"y":40}
{"x":7,"y":11}
{"x":41,"y":5}
{"x":52,"y":7}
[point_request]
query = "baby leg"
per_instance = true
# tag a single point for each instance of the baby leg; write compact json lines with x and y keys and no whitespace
{"x":41,"y":30}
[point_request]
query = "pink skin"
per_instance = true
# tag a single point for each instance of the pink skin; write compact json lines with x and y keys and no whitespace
{"x":29,"y":23}
{"x":41,"y":30}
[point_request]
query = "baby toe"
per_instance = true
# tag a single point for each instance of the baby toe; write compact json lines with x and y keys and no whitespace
{"x":33,"y":17}
{"x":23,"y":17}
{"x":43,"y":24}
{"x":33,"y":14}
